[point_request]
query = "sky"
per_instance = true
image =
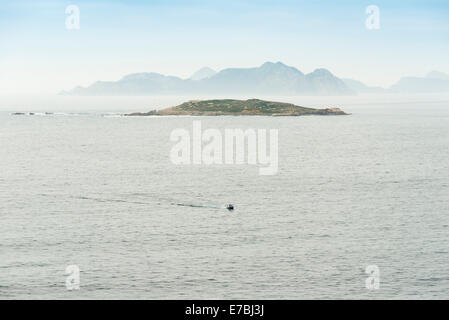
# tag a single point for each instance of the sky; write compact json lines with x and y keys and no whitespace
{"x":38,"y":54}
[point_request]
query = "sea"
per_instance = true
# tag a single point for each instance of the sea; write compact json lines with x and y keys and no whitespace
{"x":359,"y":207}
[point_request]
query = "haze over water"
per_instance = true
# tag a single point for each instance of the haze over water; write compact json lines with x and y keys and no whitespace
{"x":81,"y":188}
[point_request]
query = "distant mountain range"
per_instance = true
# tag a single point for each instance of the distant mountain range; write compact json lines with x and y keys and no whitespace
{"x":275,"y":79}
{"x":203,"y":73}
{"x":360,"y":87}
{"x":268,"y":79}
{"x":434,"y":82}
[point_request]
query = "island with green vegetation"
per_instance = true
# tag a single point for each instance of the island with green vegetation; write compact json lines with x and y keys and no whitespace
{"x":229,"y":107}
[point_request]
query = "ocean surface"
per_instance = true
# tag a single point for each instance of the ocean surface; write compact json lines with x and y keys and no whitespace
{"x":85,"y":186}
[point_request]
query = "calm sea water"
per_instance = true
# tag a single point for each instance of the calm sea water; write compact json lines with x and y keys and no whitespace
{"x":101,"y":192}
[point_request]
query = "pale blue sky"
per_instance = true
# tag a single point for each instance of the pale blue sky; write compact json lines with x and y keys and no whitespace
{"x":38,"y":54}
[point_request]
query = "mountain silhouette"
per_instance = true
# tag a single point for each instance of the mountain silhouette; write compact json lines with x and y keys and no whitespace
{"x":274,"y":79}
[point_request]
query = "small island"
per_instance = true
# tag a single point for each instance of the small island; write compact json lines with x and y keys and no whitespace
{"x":228,"y":107}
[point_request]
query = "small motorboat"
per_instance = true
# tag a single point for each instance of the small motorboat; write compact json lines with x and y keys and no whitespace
{"x":230,"y":207}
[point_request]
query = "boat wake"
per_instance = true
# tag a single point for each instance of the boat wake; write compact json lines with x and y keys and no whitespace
{"x":110,"y":200}
{"x":198,"y":206}
{"x":159,"y":201}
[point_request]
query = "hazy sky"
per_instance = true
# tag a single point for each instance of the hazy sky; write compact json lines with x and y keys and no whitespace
{"x":38,"y":54}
